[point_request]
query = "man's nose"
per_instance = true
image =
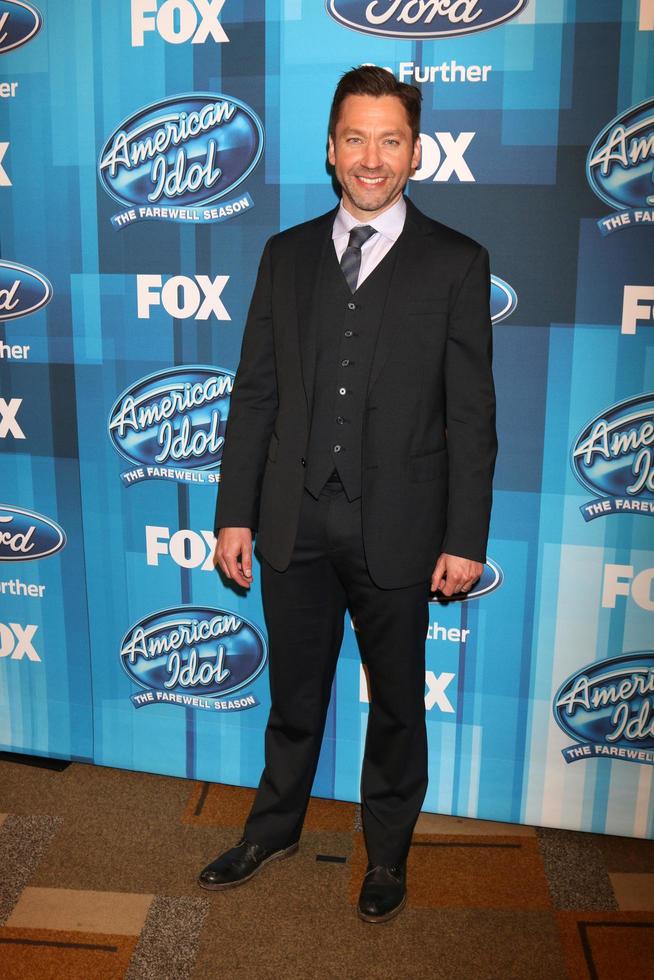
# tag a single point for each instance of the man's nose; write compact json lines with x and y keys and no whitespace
{"x":371,"y":158}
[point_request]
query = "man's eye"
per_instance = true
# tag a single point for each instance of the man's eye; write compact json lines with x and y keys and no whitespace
{"x":393,"y":142}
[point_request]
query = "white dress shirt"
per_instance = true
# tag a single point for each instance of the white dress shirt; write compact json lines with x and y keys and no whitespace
{"x":388,"y":225}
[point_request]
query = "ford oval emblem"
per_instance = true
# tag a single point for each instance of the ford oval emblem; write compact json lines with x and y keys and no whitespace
{"x":193,"y":650}
{"x":19,"y":23}
{"x":423,"y":19}
{"x":27,"y":536}
{"x":22,"y":290}
{"x":503,"y":299}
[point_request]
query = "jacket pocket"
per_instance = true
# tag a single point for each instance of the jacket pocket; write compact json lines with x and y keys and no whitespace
{"x":428,"y":466}
{"x":273,"y":446}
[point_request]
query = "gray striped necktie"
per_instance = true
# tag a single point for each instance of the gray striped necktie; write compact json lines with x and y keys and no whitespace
{"x":351,"y":258}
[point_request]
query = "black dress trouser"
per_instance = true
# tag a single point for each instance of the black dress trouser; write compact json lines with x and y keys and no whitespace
{"x":304,"y":609}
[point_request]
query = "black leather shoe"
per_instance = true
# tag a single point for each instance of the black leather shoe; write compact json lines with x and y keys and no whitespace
{"x":239,"y":864}
{"x":383,"y":893}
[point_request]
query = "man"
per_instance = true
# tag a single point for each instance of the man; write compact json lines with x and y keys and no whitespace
{"x":360,"y":446}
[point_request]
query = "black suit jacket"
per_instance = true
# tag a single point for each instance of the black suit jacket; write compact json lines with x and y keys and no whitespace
{"x":429,"y":440}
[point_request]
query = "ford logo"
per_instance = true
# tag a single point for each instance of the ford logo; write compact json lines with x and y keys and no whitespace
{"x":173,"y":159}
{"x":423,"y":18}
{"x":26,"y":536}
{"x":19,"y":22}
{"x":193,"y":650}
{"x":620,"y":162}
{"x":613,"y":454}
{"x":610,"y":703}
{"x":22,"y":290}
{"x":172,"y":419}
{"x":491,"y":578}
{"x":503,"y":299}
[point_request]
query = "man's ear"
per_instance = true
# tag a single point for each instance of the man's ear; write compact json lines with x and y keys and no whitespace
{"x":331,"y":156}
{"x":417,"y":154}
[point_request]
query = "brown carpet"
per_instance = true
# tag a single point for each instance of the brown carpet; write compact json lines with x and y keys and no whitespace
{"x":99,"y":874}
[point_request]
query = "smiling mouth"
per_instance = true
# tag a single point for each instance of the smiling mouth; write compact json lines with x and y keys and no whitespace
{"x":370,"y":181}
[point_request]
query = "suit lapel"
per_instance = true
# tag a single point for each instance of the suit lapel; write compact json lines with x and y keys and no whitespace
{"x":410,"y":249}
{"x":308,"y":263}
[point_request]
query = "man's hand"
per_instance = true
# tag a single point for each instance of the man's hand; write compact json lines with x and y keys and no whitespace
{"x":233,"y":554}
{"x":453,"y":574}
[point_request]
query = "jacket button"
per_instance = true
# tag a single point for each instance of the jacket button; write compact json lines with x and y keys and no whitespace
{"x":303,"y":460}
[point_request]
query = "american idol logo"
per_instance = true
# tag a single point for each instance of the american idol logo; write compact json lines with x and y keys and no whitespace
{"x":620,"y":168}
{"x":176,"y":159}
{"x":608,"y":709}
{"x":491,"y":578}
{"x":503,"y":299}
{"x":19,"y":22}
{"x":613,"y":457}
{"x":171,"y":425}
{"x":194,"y":656}
{"x":423,"y":18}
{"x":22,"y":291}
{"x":26,"y":536}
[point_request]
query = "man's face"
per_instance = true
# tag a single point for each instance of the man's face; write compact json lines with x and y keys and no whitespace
{"x":373,"y":153}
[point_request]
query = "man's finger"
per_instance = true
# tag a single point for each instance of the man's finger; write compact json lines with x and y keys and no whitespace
{"x":437,"y":579}
{"x":441,"y":565}
{"x":229,"y":565}
{"x":246,"y":561}
{"x":234,"y":572}
{"x":454,"y":585}
{"x":222,"y":564}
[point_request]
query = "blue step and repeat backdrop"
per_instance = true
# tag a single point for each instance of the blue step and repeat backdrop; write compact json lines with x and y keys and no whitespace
{"x":148,"y":148}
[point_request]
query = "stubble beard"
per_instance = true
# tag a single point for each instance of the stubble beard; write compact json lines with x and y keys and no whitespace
{"x":378,"y":202}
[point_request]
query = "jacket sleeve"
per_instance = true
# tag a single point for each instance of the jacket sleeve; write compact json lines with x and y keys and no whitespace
{"x":470,"y":414}
{"x":252,"y":411}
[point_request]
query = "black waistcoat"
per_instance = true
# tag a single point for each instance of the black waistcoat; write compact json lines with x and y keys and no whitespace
{"x":346,"y":326}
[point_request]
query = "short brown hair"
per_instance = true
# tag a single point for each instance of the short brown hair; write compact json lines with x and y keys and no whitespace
{"x":370,"y":80}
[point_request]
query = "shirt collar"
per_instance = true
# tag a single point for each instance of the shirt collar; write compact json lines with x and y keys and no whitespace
{"x":389,"y":224}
